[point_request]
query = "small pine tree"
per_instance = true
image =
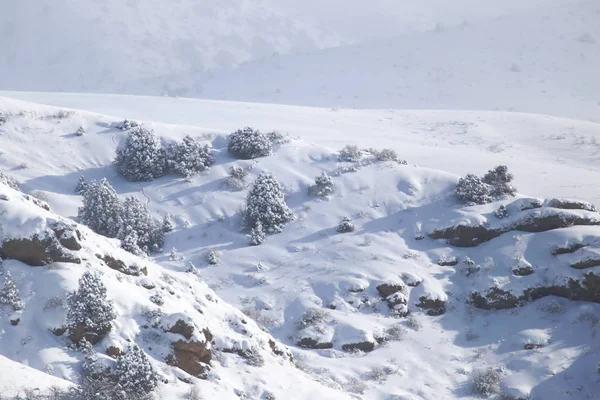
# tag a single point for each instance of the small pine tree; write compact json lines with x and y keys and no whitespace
{"x":237,"y":178}
{"x":130,"y":244}
{"x":174,"y":255}
{"x":213,"y":257}
{"x":101,"y":210}
{"x":266,"y":204}
{"x":188,"y":157}
{"x":89,"y":306}
{"x":134,"y":372}
{"x":80,"y":131}
{"x":472,"y":190}
{"x":501,"y":212}
{"x":248,"y":143}
{"x":500,"y":181}
{"x":168,"y":225}
{"x":257,"y":235}
{"x":345,"y":225}
{"x":135,"y":217}
{"x":81,"y":186}
{"x":9,"y":295}
{"x":323,"y":185}
{"x":142,"y":157}
{"x":191,"y":268}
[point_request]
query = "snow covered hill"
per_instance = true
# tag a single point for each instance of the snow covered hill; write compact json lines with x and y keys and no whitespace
{"x":538,"y":56}
{"x":488,"y":297}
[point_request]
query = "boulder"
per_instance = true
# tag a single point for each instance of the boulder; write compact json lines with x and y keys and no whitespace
{"x":80,"y":332}
{"x":570,"y":204}
{"x":182,"y":328}
{"x":310,"y":343}
{"x":365,"y":347}
{"x":434,"y":307}
{"x":192,"y":357}
{"x":119,"y":265}
{"x":37,"y":251}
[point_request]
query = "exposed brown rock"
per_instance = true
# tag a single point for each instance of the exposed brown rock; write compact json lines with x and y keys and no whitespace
{"x":522,"y":271}
{"x":448,"y":263}
{"x":569,"y":204}
{"x":532,"y":346}
{"x":434,"y":307}
{"x":588,"y":262}
{"x":119,"y":265}
{"x":386,"y":290}
{"x":192,"y":357}
{"x":68,"y":236}
{"x":466,"y":235}
{"x":310,"y":343}
{"x":571,"y":248}
{"x":114,"y":352}
{"x":36,"y":251}
{"x":182,"y":328}
{"x":15,"y":322}
{"x":362,"y":346}
{"x":80,"y":332}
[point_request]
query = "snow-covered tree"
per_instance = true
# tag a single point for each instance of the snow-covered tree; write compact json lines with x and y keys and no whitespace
{"x":213,"y":257}
{"x":89,"y":307}
{"x":323,"y":185}
{"x":168,"y":225}
{"x":141,"y":157}
{"x":248,"y":143}
{"x":191,"y":268}
{"x":8,"y":181}
{"x":134,"y":372}
{"x":127,"y":125}
{"x":9,"y":295}
{"x":501,"y":212}
{"x":101,"y":208}
{"x":188,"y":157}
{"x":500,"y":181}
{"x":472,"y":190}
{"x":136,"y":217}
{"x":81,"y":186}
{"x":2,"y":118}
{"x":266,"y":204}
{"x":257,"y":235}
{"x":346,"y":225}
{"x":349,"y":153}
{"x":130,"y":244}
{"x":174,"y":255}
{"x":80,"y":131}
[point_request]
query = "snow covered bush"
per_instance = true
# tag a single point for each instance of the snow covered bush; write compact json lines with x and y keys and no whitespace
{"x":134,"y":372}
{"x":213,"y":257}
{"x":127,"y":125}
{"x":500,"y":181}
{"x":266,"y":204}
{"x":257,"y":235}
{"x":9,"y":295}
{"x":168,"y":225}
{"x":345,"y":225}
{"x":388,"y":155}
{"x":90,"y":311}
{"x":501,"y":212}
{"x":141,"y":157}
{"x":472,"y":190}
{"x":486,"y":382}
{"x":349,"y":153}
{"x":3,"y":118}
{"x":8,"y":181}
{"x":80,"y":131}
{"x":130,"y":244}
{"x":237,"y":178}
{"x":81,"y":186}
{"x":157,"y":299}
{"x":323,"y":186}
{"x":248,"y":143}
{"x":312,"y":317}
{"x":135,"y":219}
{"x":101,"y":210}
{"x":188,"y":157}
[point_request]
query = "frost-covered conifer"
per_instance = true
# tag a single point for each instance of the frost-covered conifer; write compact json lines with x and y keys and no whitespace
{"x":80,"y":131}
{"x":237,"y":178}
{"x":174,"y":255}
{"x":248,"y":143}
{"x":323,"y":185}
{"x":471,"y":189}
{"x":130,"y":244}
{"x":134,"y":372}
{"x":89,"y":307}
{"x":500,"y":181}
{"x":266,"y":204}
{"x":9,"y":295}
{"x":101,"y":208}
{"x":81,"y":186}
{"x":189,"y":157}
{"x":213,"y":257}
{"x":141,"y":157}
{"x":136,"y":217}
{"x":345,"y":225}
{"x":168,"y":225}
{"x":191,"y":268}
{"x":257,"y":235}
{"x":501,"y":212}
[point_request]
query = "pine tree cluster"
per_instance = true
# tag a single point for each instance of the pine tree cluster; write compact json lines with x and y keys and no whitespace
{"x":129,"y":221}
{"x":475,"y":190}
{"x":248,"y":143}
{"x":9,"y":294}
{"x":188,"y":157}
{"x":265,"y":205}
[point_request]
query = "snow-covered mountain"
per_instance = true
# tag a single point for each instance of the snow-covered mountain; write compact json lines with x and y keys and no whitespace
{"x":538,"y":56}
{"x":503,"y":295}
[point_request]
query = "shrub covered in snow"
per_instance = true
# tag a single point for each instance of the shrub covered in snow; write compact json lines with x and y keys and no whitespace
{"x":168,"y":225}
{"x":486,"y":382}
{"x":134,"y":372}
{"x":127,"y":125}
{"x":266,"y":204}
{"x":89,"y":306}
{"x":349,"y":153}
{"x":248,"y":143}
{"x":141,"y":157}
{"x":3,"y":118}
{"x":500,"y":181}
{"x":135,"y":219}
{"x":237,"y":178}
{"x":188,"y":157}
{"x":213,"y":257}
{"x":323,"y":186}
{"x":101,"y":210}
{"x":9,"y":294}
{"x":312,"y":317}
{"x":8,"y":181}
{"x":472,"y":190}
{"x":388,"y":155}
{"x":501,"y":212}
{"x":257,"y":235}
{"x":80,"y":131}
{"x":345,"y":225}
{"x":81,"y":186}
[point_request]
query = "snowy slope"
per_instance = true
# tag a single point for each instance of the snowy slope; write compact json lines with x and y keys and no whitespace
{"x":311,"y":266}
{"x":17,"y":376}
{"x":537,"y":56}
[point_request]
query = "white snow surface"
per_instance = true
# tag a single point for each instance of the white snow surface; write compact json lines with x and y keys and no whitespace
{"x":309,"y":265}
